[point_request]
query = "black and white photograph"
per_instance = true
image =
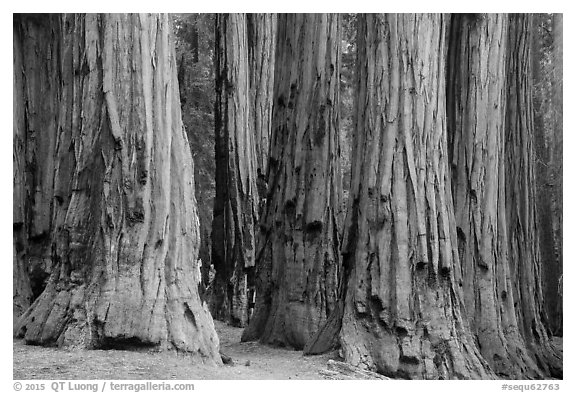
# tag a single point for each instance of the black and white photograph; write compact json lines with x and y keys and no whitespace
{"x":286,"y":196}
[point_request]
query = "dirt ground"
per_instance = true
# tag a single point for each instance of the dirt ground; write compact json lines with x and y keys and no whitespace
{"x":251,"y":361}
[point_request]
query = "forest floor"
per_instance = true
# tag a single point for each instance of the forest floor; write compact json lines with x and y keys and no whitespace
{"x":250,"y":361}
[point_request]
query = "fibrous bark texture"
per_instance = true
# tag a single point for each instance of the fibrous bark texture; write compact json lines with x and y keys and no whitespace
{"x":22,"y":291}
{"x":236,"y":202}
{"x":547,"y":75}
{"x":403,"y":313}
{"x":33,"y":159}
{"x":543,"y":131}
{"x":524,"y":254}
{"x":261,"y":30}
{"x":298,"y":245}
{"x":118,"y":206}
{"x":557,"y":169}
{"x":476,"y":96}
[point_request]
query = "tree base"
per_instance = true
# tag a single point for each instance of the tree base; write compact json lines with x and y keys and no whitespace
{"x":72,"y":317}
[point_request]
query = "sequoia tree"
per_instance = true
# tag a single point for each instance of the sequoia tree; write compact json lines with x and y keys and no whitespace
{"x":298,"y":245}
{"x":403,"y":312}
{"x":542,"y":75}
{"x":236,"y":202}
{"x":557,"y":168}
{"x":22,"y":291}
{"x":118,"y":198}
{"x":547,"y":76}
{"x":261,"y":31}
{"x":476,"y":97}
{"x":520,"y":198}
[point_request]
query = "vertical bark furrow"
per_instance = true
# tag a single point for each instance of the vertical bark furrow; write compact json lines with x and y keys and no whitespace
{"x":261,"y":31}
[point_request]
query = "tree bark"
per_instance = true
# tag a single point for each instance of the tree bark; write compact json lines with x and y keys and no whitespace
{"x":543,"y":130}
{"x":118,"y":206}
{"x":34,"y":152}
{"x":547,"y":104}
{"x":557,"y":169}
{"x":22,"y":291}
{"x":476,"y":112}
{"x":261,"y":30}
{"x":236,"y":202}
{"x":403,"y":313}
{"x":524,"y":253}
{"x":298,"y":245}
{"x":194,"y":44}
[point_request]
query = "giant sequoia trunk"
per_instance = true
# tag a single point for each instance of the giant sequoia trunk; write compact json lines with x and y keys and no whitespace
{"x":236,"y":203}
{"x":557,"y":169}
{"x":476,"y":111}
{"x":116,"y":201}
{"x":544,"y":166}
{"x":33,"y":158}
{"x":261,"y":30}
{"x":22,"y":291}
{"x":403,"y":313}
{"x":548,"y":144}
{"x":524,"y":255}
{"x":298,"y":245}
